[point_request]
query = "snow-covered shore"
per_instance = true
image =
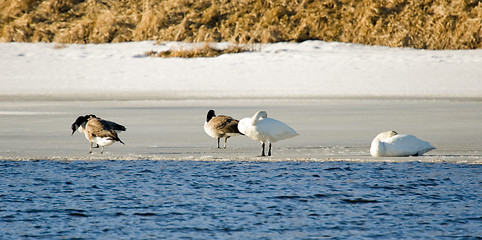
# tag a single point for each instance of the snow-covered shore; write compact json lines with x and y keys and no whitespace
{"x":312,"y":69}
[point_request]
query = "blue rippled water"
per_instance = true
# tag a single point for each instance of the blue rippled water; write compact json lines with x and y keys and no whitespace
{"x":239,"y":200}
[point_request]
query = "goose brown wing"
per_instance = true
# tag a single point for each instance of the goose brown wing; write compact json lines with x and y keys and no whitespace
{"x":95,"y":127}
{"x":220,"y":122}
{"x":226,"y":124}
{"x":232,"y":127}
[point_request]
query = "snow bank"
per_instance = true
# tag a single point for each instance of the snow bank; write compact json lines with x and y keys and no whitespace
{"x":284,"y":70}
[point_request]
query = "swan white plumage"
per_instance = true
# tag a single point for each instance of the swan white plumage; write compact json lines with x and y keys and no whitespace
{"x":263,"y":129}
{"x":391,"y":144}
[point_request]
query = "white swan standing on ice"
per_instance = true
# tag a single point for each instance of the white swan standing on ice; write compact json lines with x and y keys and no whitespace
{"x":264,"y":129}
{"x":390,"y":144}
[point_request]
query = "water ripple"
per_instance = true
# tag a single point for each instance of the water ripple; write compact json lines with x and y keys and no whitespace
{"x":240,"y":200}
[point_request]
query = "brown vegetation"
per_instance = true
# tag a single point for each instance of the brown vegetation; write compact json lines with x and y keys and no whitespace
{"x":206,"y":50}
{"x":431,"y":24}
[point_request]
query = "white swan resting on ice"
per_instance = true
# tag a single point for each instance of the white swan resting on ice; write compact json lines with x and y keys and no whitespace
{"x":390,"y":144}
{"x":263,"y":129}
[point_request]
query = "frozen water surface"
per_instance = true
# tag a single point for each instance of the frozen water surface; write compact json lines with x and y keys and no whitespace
{"x":330,"y":129}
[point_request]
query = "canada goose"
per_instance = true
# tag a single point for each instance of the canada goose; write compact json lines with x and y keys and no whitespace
{"x":391,"y":144}
{"x":221,"y":126}
{"x":264,"y":129}
{"x":97,"y":130}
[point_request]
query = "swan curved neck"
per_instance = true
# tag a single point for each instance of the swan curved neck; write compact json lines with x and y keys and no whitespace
{"x":255,"y":119}
{"x":385,"y":135}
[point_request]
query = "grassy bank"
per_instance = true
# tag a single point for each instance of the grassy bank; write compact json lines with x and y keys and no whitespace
{"x":427,"y":24}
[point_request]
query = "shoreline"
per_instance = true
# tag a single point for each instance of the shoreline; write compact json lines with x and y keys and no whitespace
{"x":390,"y":160}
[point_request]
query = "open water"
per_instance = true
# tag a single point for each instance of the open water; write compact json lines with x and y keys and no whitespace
{"x":239,"y":200}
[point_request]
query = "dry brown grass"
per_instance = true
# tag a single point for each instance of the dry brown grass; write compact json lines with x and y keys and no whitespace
{"x":431,"y":24}
{"x":206,"y":50}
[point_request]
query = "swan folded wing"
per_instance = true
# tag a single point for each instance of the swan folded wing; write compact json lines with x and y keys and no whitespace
{"x":285,"y":135}
{"x":275,"y":130}
{"x":406,"y":145}
{"x":421,"y":146}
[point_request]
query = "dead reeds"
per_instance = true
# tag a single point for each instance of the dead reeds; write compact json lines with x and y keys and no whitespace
{"x":427,"y":24}
{"x":206,"y":50}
